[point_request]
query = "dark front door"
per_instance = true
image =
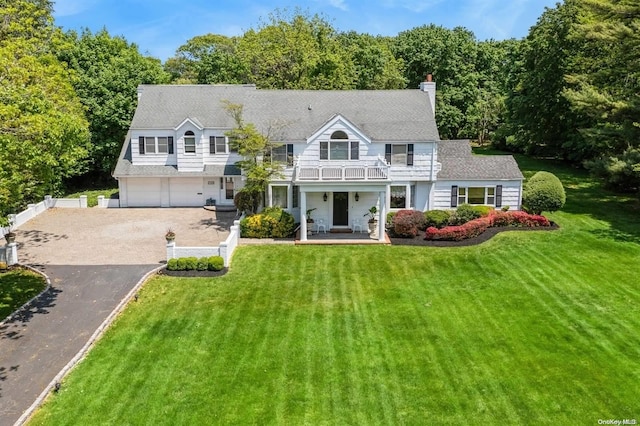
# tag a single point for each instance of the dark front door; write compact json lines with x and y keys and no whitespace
{"x":340,"y":209}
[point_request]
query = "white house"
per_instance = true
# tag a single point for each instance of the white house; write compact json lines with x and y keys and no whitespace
{"x":344,"y":151}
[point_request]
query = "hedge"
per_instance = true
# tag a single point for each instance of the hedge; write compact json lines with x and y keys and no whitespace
{"x":213,"y":263}
{"x":476,"y":227}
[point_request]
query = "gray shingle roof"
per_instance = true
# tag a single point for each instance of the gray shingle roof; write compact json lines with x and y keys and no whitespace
{"x":458,"y":163}
{"x":385,"y":115}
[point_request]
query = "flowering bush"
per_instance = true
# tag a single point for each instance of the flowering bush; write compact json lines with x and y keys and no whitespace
{"x":407,"y":223}
{"x":273,"y":222}
{"x":475,"y":227}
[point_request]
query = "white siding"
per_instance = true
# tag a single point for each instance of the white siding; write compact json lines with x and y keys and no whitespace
{"x":186,"y":192}
{"x":152,"y":159}
{"x":511,"y":192}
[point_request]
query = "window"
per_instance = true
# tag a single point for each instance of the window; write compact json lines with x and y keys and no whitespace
{"x":279,"y":196}
{"x":412,"y":200}
{"x":339,"y":147}
{"x":217,"y":145}
{"x":399,"y":154}
{"x":491,"y":195}
{"x":229,"y":188}
{"x":189,"y":142}
{"x":398,"y":197}
{"x":283,"y":154}
{"x":155,"y":145}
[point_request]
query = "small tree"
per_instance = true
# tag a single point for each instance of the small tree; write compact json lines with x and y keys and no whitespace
{"x":543,"y":192}
{"x":253,"y":145}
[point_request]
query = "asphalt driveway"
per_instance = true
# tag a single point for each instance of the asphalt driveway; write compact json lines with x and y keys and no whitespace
{"x":116,"y":236}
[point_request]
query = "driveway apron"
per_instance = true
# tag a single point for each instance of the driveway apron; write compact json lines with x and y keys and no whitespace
{"x":36,"y":343}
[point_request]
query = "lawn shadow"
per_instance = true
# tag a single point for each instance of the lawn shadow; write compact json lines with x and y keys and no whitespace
{"x":12,"y":327}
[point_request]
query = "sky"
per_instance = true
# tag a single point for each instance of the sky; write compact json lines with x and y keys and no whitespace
{"x":159,"y":27}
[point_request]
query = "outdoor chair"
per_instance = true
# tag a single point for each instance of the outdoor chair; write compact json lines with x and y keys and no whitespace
{"x":356,"y":225}
{"x":321,"y":225}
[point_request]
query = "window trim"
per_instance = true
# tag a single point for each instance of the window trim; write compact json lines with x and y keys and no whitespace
{"x":352,"y":150}
{"x":154,"y":140}
{"x":191,"y":136}
{"x":213,"y":145}
{"x":408,"y":153}
{"x":460,"y":195}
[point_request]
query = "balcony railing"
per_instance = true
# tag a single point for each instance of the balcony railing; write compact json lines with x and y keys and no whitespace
{"x":328,"y":171}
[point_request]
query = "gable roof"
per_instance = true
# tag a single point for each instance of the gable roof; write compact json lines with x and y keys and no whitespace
{"x":459,"y":163}
{"x":383,"y":115}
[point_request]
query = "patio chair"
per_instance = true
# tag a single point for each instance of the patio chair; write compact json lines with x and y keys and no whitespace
{"x":356,"y":225}
{"x":321,"y":225}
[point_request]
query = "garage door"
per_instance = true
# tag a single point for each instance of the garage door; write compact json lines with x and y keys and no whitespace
{"x":186,"y":192}
{"x":143,"y":192}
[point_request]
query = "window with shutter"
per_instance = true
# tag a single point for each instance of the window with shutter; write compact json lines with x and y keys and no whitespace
{"x":454,"y":196}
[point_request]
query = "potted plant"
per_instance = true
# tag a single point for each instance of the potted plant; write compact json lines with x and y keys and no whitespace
{"x":372,"y":214}
{"x":10,"y":236}
{"x":170,"y":235}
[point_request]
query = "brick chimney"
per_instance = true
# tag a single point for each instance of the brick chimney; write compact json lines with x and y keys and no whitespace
{"x":429,"y":86}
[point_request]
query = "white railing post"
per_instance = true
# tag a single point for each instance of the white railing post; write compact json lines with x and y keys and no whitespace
{"x":101,"y":201}
{"x":83,"y":201}
{"x":171,"y":250}
{"x":12,"y":253}
{"x":47,"y":201}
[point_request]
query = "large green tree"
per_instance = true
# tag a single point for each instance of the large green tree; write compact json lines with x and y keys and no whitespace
{"x":109,"y":70}
{"x":604,"y":85}
{"x":450,"y":55}
{"x":43,"y":132}
{"x":208,"y":59}
{"x":296,"y":51}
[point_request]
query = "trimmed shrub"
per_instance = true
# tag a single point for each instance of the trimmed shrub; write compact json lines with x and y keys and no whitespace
{"x":191,"y":263}
{"x":272,"y":222}
{"x":390,"y":217}
{"x":519,"y":218}
{"x":407,"y":223}
{"x":182,"y":264}
{"x":470,"y":229}
{"x":203,"y":264}
{"x":437,"y":218}
{"x":484,"y":211}
{"x":543,"y":192}
{"x":172,"y":264}
{"x":463,"y":214}
{"x":215,"y":263}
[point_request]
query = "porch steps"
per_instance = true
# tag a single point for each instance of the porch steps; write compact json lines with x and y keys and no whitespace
{"x":341,"y":231}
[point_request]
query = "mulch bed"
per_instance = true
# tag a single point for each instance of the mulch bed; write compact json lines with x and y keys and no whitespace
{"x":193,"y":274}
{"x":485,"y":236}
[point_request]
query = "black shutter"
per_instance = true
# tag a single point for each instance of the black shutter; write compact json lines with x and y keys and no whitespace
{"x":141,"y":144}
{"x":454,"y":196}
{"x":212,"y":144}
{"x":355,"y":150}
{"x":290,"y":154}
{"x":410,"y":154}
{"x":170,"y":142}
{"x":387,"y":153}
{"x":499,"y":196}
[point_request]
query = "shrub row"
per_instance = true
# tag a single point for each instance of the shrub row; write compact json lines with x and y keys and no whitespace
{"x":477,"y":226}
{"x":408,"y":223}
{"x":272,"y":222}
{"x":213,"y":263}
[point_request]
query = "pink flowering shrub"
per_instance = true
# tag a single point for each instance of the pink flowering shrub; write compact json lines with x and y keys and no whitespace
{"x":407,"y":223}
{"x":475,"y":227}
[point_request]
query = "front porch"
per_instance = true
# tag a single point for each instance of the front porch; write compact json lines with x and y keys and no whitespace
{"x":342,"y":238}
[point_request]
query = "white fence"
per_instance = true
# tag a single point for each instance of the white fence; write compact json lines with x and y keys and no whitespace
{"x":225,"y":249}
{"x":9,"y":254}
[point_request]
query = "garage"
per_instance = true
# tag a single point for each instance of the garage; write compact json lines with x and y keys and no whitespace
{"x":144,"y":192}
{"x":185,"y":192}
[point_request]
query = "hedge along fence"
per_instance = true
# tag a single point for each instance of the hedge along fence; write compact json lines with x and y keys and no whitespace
{"x":475,"y":227}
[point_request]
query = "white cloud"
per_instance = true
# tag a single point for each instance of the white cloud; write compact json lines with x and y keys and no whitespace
{"x":339,"y":4}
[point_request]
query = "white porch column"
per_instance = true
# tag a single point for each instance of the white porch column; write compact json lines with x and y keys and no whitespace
{"x":382,"y":199}
{"x":303,"y":216}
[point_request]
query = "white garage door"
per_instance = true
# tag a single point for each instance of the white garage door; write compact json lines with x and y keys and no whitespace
{"x":186,"y":192}
{"x":143,"y":192}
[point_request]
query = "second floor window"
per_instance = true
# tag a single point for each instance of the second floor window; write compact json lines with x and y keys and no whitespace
{"x":339,"y":150}
{"x":399,"y":154}
{"x":155,"y":144}
{"x":189,"y":142}
{"x":283,"y":154}
{"x":217,"y":145}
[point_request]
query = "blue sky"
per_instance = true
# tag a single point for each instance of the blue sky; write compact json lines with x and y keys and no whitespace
{"x":159,"y":27}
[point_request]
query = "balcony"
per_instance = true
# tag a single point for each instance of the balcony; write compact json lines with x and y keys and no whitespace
{"x":328,"y":171}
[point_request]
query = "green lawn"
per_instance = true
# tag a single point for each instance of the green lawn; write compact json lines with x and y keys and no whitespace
{"x":92,"y":195}
{"x":17,"y":287}
{"x":530,"y":327}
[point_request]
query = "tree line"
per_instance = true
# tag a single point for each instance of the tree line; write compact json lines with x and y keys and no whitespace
{"x":568,"y":90}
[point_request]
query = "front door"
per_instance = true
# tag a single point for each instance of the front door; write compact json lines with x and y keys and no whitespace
{"x":340,"y":209}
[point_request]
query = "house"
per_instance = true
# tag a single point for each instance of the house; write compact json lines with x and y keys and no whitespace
{"x":343,"y":151}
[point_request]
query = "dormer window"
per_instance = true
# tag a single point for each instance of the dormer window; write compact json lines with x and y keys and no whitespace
{"x":189,"y":142}
{"x":339,"y":147}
